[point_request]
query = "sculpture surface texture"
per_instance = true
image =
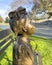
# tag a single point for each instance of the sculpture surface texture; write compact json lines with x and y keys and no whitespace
{"x":21,"y":26}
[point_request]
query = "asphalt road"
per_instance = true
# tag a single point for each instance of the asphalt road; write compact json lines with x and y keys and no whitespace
{"x":43,"y":31}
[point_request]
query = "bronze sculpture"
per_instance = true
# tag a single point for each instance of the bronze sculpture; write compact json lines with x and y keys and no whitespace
{"x":20,"y":25}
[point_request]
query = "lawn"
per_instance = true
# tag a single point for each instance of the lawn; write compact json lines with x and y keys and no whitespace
{"x":0,"y":29}
{"x":39,"y":44}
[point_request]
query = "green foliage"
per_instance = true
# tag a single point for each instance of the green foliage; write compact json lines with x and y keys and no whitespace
{"x":6,"y":20}
{"x":0,"y":29}
{"x":1,"y":19}
{"x":40,"y":7}
{"x":42,"y":45}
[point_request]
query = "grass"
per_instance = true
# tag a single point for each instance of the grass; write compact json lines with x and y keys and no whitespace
{"x":6,"y":57}
{"x":0,"y":29}
{"x":39,"y":44}
{"x":44,"y":46}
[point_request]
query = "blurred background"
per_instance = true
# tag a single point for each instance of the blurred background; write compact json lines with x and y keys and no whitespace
{"x":39,"y":12}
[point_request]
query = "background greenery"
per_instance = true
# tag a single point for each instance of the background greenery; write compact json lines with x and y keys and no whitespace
{"x":39,"y":44}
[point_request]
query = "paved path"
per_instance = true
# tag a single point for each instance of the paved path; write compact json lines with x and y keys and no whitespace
{"x":4,"y":26}
{"x":44,"y":31}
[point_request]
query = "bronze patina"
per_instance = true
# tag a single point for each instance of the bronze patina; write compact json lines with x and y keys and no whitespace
{"x":21,"y":26}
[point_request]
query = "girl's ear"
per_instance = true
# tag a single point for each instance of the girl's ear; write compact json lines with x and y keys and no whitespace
{"x":11,"y":14}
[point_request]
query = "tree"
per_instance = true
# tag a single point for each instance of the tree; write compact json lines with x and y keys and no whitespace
{"x":44,"y":4}
{"x":41,"y":6}
{"x":1,"y":19}
{"x":16,"y":3}
{"x":6,"y":20}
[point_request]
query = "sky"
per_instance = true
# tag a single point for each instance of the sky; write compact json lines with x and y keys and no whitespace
{"x":5,"y":5}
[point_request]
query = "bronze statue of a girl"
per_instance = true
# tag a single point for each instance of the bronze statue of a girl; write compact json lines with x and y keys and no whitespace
{"x":20,"y":25}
